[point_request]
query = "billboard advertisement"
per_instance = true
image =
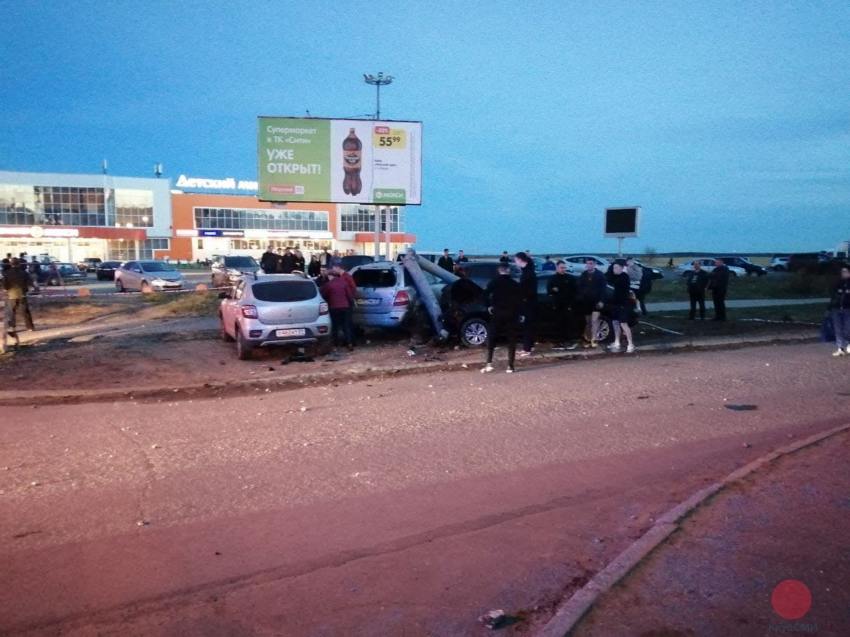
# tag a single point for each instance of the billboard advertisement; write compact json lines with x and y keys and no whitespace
{"x":339,"y":160}
{"x":622,"y":222}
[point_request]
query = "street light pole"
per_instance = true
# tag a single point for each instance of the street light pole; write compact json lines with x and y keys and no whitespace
{"x":378,"y":81}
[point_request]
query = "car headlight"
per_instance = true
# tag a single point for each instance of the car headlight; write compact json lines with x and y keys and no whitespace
{"x":158,"y":282}
{"x":232,"y":272}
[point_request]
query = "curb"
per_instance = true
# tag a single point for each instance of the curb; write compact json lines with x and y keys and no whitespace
{"x":299,"y":381}
{"x":571,"y":611}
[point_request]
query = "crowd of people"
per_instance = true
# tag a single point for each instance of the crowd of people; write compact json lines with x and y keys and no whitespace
{"x":335,"y":284}
{"x":513,"y":310}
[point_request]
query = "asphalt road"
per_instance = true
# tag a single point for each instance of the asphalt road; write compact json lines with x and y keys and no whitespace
{"x":407,"y":506}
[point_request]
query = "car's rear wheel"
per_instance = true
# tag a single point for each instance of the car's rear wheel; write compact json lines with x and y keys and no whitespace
{"x":243,"y":347}
{"x":473,"y":332}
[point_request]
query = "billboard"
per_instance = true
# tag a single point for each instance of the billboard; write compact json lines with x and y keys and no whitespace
{"x":622,"y":222}
{"x":339,"y":160}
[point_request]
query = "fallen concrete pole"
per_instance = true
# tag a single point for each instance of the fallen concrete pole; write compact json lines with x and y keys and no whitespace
{"x":414,"y":265}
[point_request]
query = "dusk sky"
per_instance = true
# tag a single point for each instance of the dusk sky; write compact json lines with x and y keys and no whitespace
{"x":728,"y":122}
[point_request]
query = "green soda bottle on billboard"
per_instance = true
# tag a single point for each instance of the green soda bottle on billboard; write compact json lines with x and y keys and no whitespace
{"x":352,"y":156}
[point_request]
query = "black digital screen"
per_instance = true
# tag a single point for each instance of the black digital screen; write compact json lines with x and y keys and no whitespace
{"x":621,"y":221}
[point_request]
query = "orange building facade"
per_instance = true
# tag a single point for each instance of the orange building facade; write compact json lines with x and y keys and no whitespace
{"x":208,"y":225}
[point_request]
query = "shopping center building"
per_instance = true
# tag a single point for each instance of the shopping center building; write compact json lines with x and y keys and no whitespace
{"x":207,"y":224}
{"x":73,"y":217}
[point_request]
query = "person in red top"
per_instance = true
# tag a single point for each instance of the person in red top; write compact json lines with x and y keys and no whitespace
{"x":352,"y":285}
{"x":340,"y":298}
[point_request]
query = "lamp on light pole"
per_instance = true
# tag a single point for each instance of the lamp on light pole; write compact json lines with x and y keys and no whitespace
{"x":378,"y":81}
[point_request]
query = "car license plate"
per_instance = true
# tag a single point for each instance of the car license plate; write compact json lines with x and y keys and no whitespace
{"x":368,"y":301}
{"x":292,"y":332}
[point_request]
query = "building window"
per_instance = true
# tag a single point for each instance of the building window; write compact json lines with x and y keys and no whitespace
{"x":121,"y":250}
{"x":133,"y":208}
{"x":260,"y":219}
{"x":357,"y":219}
{"x":71,"y":206}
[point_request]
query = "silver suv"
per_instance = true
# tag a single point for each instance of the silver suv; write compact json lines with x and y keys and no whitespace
{"x":275,"y":309}
{"x":385,"y":294}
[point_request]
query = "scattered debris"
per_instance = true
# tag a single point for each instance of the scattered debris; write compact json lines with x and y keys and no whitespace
{"x":303,"y":409}
{"x":411,"y":352}
{"x":741,"y":407}
{"x":142,"y":523}
{"x":493,"y":619}
{"x":35,"y":483}
{"x":747,"y":445}
{"x":642,"y":397}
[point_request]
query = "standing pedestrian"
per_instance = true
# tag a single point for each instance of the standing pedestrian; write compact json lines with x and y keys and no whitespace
{"x":16,"y":283}
{"x":315,"y":266}
{"x":461,"y":257}
{"x":697,"y":280}
{"x":323,"y":277}
{"x":338,"y":295}
{"x":35,"y":275}
{"x":287,"y":261}
{"x":839,"y":307}
{"x":268,"y":262}
{"x":718,"y":283}
{"x":590,"y":298}
{"x":446,"y":262}
{"x":342,"y":273}
{"x":621,"y":309}
{"x":528,"y":283}
{"x":644,"y":289}
{"x":504,"y":258}
{"x":561,"y":287}
{"x":549,"y":265}
{"x":504,"y":299}
{"x":298,"y":262}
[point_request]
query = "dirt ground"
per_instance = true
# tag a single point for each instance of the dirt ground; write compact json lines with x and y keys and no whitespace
{"x":176,"y":343}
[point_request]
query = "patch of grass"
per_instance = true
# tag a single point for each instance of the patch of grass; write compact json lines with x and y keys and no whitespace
{"x":190,"y":304}
{"x":772,"y":286}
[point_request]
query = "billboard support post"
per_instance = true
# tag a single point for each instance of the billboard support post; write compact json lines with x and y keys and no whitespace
{"x":388,"y":213}
{"x":377,"y":231}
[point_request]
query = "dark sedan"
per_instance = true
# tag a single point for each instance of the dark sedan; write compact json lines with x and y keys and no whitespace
{"x":105,"y":270}
{"x":466,"y":316}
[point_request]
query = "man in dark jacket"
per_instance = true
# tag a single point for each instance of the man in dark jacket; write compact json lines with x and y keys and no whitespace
{"x":16,"y":283}
{"x":697,"y":280}
{"x":561,"y":287}
{"x":268,"y":262}
{"x":286,"y":263}
{"x":446,"y":262}
{"x":528,"y":283}
{"x":340,"y":300}
{"x":718,"y":283}
{"x":590,"y":299}
{"x":504,"y":300}
{"x":839,"y":310}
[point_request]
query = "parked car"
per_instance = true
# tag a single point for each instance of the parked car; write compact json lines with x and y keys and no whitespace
{"x":575,"y":263}
{"x":814,"y":263}
{"x":89,"y":265}
{"x":274,"y":309}
{"x":351,"y":261}
{"x":708,"y":265}
{"x":147,"y":276}
{"x":779,"y":263}
{"x":62,"y":274}
{"x":386,"y":295}
{"x":745,"y":263}
{"x":482,"y":272}
{"x":106,"y":270}
{"x":230,"y":270}
{"x":655,"y":273}
{"x":469,"y":321}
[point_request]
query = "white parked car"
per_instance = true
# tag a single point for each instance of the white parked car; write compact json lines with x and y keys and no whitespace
{"x":708,"y":265}
{"x":275,"y":309}
{"x":575,"y":263}
{"x":147,"y":276}
{"x":778,"y":264}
